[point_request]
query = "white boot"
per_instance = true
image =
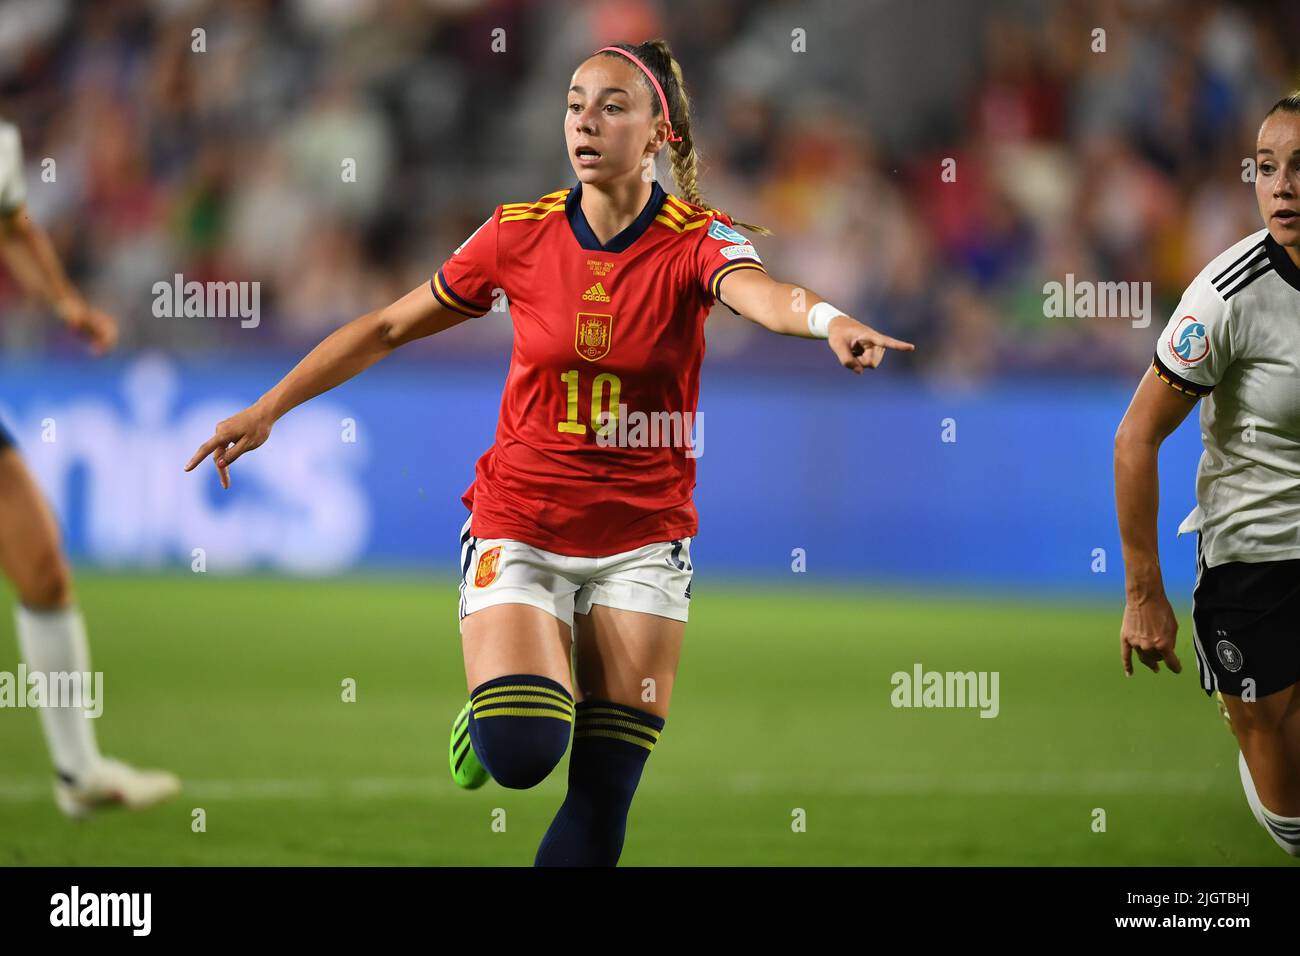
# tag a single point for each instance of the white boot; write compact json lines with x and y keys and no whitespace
{"x":112,"y":783}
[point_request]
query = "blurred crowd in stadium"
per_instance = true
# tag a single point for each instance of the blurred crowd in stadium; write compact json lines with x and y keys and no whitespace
{"x":1122,"y":165}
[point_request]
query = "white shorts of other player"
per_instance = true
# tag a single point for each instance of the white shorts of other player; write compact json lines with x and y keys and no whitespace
{"x":653,"y":579}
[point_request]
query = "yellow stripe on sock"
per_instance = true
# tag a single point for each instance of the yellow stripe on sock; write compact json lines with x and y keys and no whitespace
{"x":609,"y":711}
{"x":630,"y":724}
{"x":616,"y":735}
{"x":526,"y":689}
{"x":522,"y":701}
{"x":519,"y":712}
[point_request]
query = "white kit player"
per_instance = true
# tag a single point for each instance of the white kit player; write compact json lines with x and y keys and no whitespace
{"x":51,"y":633}
{"x":1234,"y":345}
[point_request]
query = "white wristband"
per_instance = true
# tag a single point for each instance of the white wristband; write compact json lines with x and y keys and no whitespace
{"x":819,"y":319}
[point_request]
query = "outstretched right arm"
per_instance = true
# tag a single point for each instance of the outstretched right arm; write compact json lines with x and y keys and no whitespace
{"x":346,"y":352}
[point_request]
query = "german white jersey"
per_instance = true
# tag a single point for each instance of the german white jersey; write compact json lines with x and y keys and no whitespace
{"x":1234,"y":342}
{"x":12,"y":193}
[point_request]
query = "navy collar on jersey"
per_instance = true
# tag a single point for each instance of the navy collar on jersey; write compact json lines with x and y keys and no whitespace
{"x":1282,"y":262}
{"x":587,"y":239}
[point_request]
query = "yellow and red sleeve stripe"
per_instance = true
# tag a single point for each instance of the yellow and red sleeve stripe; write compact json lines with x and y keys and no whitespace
{"x":727,"y":268}
{"x":448,"y":297}
{"x":1177,"y":382}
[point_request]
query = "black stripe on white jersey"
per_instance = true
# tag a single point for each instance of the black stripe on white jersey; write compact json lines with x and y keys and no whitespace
{"x":1286,"y":268}
{"x":1239,"y":275}
{"x":1245,"y":282}
{"x":1250,"y":253}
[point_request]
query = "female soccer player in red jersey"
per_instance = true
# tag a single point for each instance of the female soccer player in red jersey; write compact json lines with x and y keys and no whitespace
{"x":578,"y":539}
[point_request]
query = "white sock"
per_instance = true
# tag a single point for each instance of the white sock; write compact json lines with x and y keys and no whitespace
{"x":1248,"y":784}
{"x":55,"y":641}
{"x":1285,"y":831}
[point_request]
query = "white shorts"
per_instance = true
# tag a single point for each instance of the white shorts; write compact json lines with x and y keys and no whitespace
{"x":654,"y":578}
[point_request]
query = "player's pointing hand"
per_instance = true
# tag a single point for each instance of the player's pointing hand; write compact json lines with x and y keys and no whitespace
{"x":237,"y":434}
{"x":859,"y":346}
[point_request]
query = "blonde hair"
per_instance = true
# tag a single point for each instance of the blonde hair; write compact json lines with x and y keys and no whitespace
{"x":684,"y":156}
{"x":1287,"y":104}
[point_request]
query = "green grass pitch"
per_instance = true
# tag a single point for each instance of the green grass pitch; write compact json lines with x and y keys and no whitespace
{"x":783,"y":703}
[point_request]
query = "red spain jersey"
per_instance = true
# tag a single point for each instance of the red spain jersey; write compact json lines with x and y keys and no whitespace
{"x":605,"y":337}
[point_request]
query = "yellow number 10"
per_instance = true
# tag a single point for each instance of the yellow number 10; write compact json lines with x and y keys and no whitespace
{"x":571,"y":425}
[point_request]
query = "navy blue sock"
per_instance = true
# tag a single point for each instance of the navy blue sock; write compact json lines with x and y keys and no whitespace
{"x":610,"y":746}
{"x":519,"y":727}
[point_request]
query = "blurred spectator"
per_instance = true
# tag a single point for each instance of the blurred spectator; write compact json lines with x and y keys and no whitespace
{"x":337,"y":151}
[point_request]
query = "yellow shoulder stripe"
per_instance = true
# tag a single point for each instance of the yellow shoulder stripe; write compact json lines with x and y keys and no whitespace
{"x":536,"y":202}
{"x":675,"y":205}
{"x":668,"y":209}
{"x":515,"y":211}
{"x":689,"y":210}
{"x":681,"y":226}
{"x":685,"y":208}
{"x":540,"y":212}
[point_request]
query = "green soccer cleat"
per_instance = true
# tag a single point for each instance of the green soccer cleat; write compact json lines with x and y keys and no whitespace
{"x":465,"y":767}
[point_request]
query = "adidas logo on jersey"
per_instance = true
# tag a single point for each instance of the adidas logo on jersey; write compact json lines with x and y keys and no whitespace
{"x":596,"y":293}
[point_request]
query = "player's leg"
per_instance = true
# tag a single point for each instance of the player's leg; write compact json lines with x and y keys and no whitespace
{"x":52,"y":640}
{"x":1268,"y":733}
{"x":626,"y":663}
{"x":629,"y":658}
{"x":520,"y":708}
{"x":516,"y":606}
{"x":1244,"y":619}
{"x":626,"y":650}
{"x":51,"y":635}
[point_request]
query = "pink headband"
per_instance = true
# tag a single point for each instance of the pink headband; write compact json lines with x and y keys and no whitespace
{"x":663,"y":100}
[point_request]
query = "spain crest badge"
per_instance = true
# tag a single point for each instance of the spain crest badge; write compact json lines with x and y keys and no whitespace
{"x":486,"y":571}
{"x":593,"y":335}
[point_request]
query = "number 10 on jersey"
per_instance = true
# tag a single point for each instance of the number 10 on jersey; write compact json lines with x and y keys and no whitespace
{"x":599,"y":385}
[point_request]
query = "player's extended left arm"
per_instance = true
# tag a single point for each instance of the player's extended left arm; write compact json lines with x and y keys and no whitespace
{"x":30,"y":256}
{"x":785,"y":309}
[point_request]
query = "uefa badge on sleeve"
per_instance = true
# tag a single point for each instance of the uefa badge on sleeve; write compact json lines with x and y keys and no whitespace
{"x":1188,"y":342}
{"x":717,"y":230}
